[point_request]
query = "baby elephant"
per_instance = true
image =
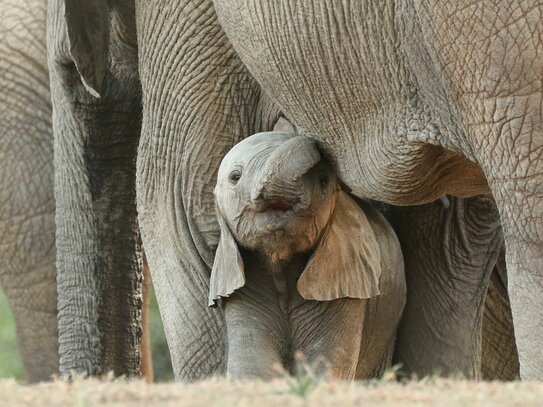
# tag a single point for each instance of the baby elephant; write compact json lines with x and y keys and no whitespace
{"x":300,"y":266}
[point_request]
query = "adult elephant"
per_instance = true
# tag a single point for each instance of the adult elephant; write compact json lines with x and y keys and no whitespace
{"x":413,"y":100}
{"x":409,"y":101}
{"x":27,"y":208}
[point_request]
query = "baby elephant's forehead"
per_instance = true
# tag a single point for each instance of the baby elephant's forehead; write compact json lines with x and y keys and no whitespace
{"x":246,"y":149}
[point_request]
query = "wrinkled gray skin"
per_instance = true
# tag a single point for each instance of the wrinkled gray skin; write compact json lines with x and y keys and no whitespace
{"x":499,"y":359}
{"x":27,"y":224}
{"x":449,"y":254}
{"x":29,"y":280}
{"x":413,"y":101}
{"x":408,"y":101}
{"x":99,"y":257}
{"x":454,"y":242}
{"x":300,"y":266}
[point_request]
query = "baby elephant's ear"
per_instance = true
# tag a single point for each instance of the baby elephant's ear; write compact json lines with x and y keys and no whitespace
{"x":347,"y":260}
{"x":227,"y":274}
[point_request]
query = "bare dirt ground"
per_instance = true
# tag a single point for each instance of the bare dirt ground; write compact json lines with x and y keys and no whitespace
{"x":278,"y":393}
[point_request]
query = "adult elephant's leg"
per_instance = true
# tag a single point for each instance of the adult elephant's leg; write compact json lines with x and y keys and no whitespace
{"x":95,"y":143}
{"x":449,"y":255}
{"x":515,"y":176}
{"x":491,"y":77}
{"x":198,"y":101}
{"x":27,"y":209}
{"x":499,"y":354}
{"x":518,"y":190}
{"x":504,"y":125}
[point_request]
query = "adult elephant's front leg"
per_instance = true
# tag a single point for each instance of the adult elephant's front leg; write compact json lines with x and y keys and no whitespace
{"x":198,"y":101}
{"x":449,"y":255}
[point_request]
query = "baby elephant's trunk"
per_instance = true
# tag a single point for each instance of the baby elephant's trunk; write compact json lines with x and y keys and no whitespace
{"x":285,"y":168}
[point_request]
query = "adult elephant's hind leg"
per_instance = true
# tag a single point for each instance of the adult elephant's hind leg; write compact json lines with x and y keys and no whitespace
{"x":499,"y":354}
{"x":510,"y":151}
{"x":520,"y":200}
{"x":449,"y":255}
{"x":489,"y":60}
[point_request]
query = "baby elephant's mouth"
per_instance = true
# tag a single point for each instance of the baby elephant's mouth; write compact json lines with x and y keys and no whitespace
{"x":279,"y":207}
{"x":276,"y":206}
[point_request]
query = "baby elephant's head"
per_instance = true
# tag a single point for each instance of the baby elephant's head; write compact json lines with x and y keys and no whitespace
{"x":275,"y":194}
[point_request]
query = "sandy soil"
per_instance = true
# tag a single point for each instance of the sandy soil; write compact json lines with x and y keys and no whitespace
{"x":278,"y":393}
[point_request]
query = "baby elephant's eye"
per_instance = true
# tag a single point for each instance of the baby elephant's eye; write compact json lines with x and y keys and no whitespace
{"x":234,"y":176}
{"x":323,"y":180}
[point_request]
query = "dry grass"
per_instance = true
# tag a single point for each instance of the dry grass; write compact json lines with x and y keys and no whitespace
{"x":281,"y":393}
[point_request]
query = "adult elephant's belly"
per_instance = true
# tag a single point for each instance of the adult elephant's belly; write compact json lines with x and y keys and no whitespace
{"x":338,"y":75}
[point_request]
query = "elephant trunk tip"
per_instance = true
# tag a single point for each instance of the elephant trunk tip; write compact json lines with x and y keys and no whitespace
{"x":286,"y":167}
